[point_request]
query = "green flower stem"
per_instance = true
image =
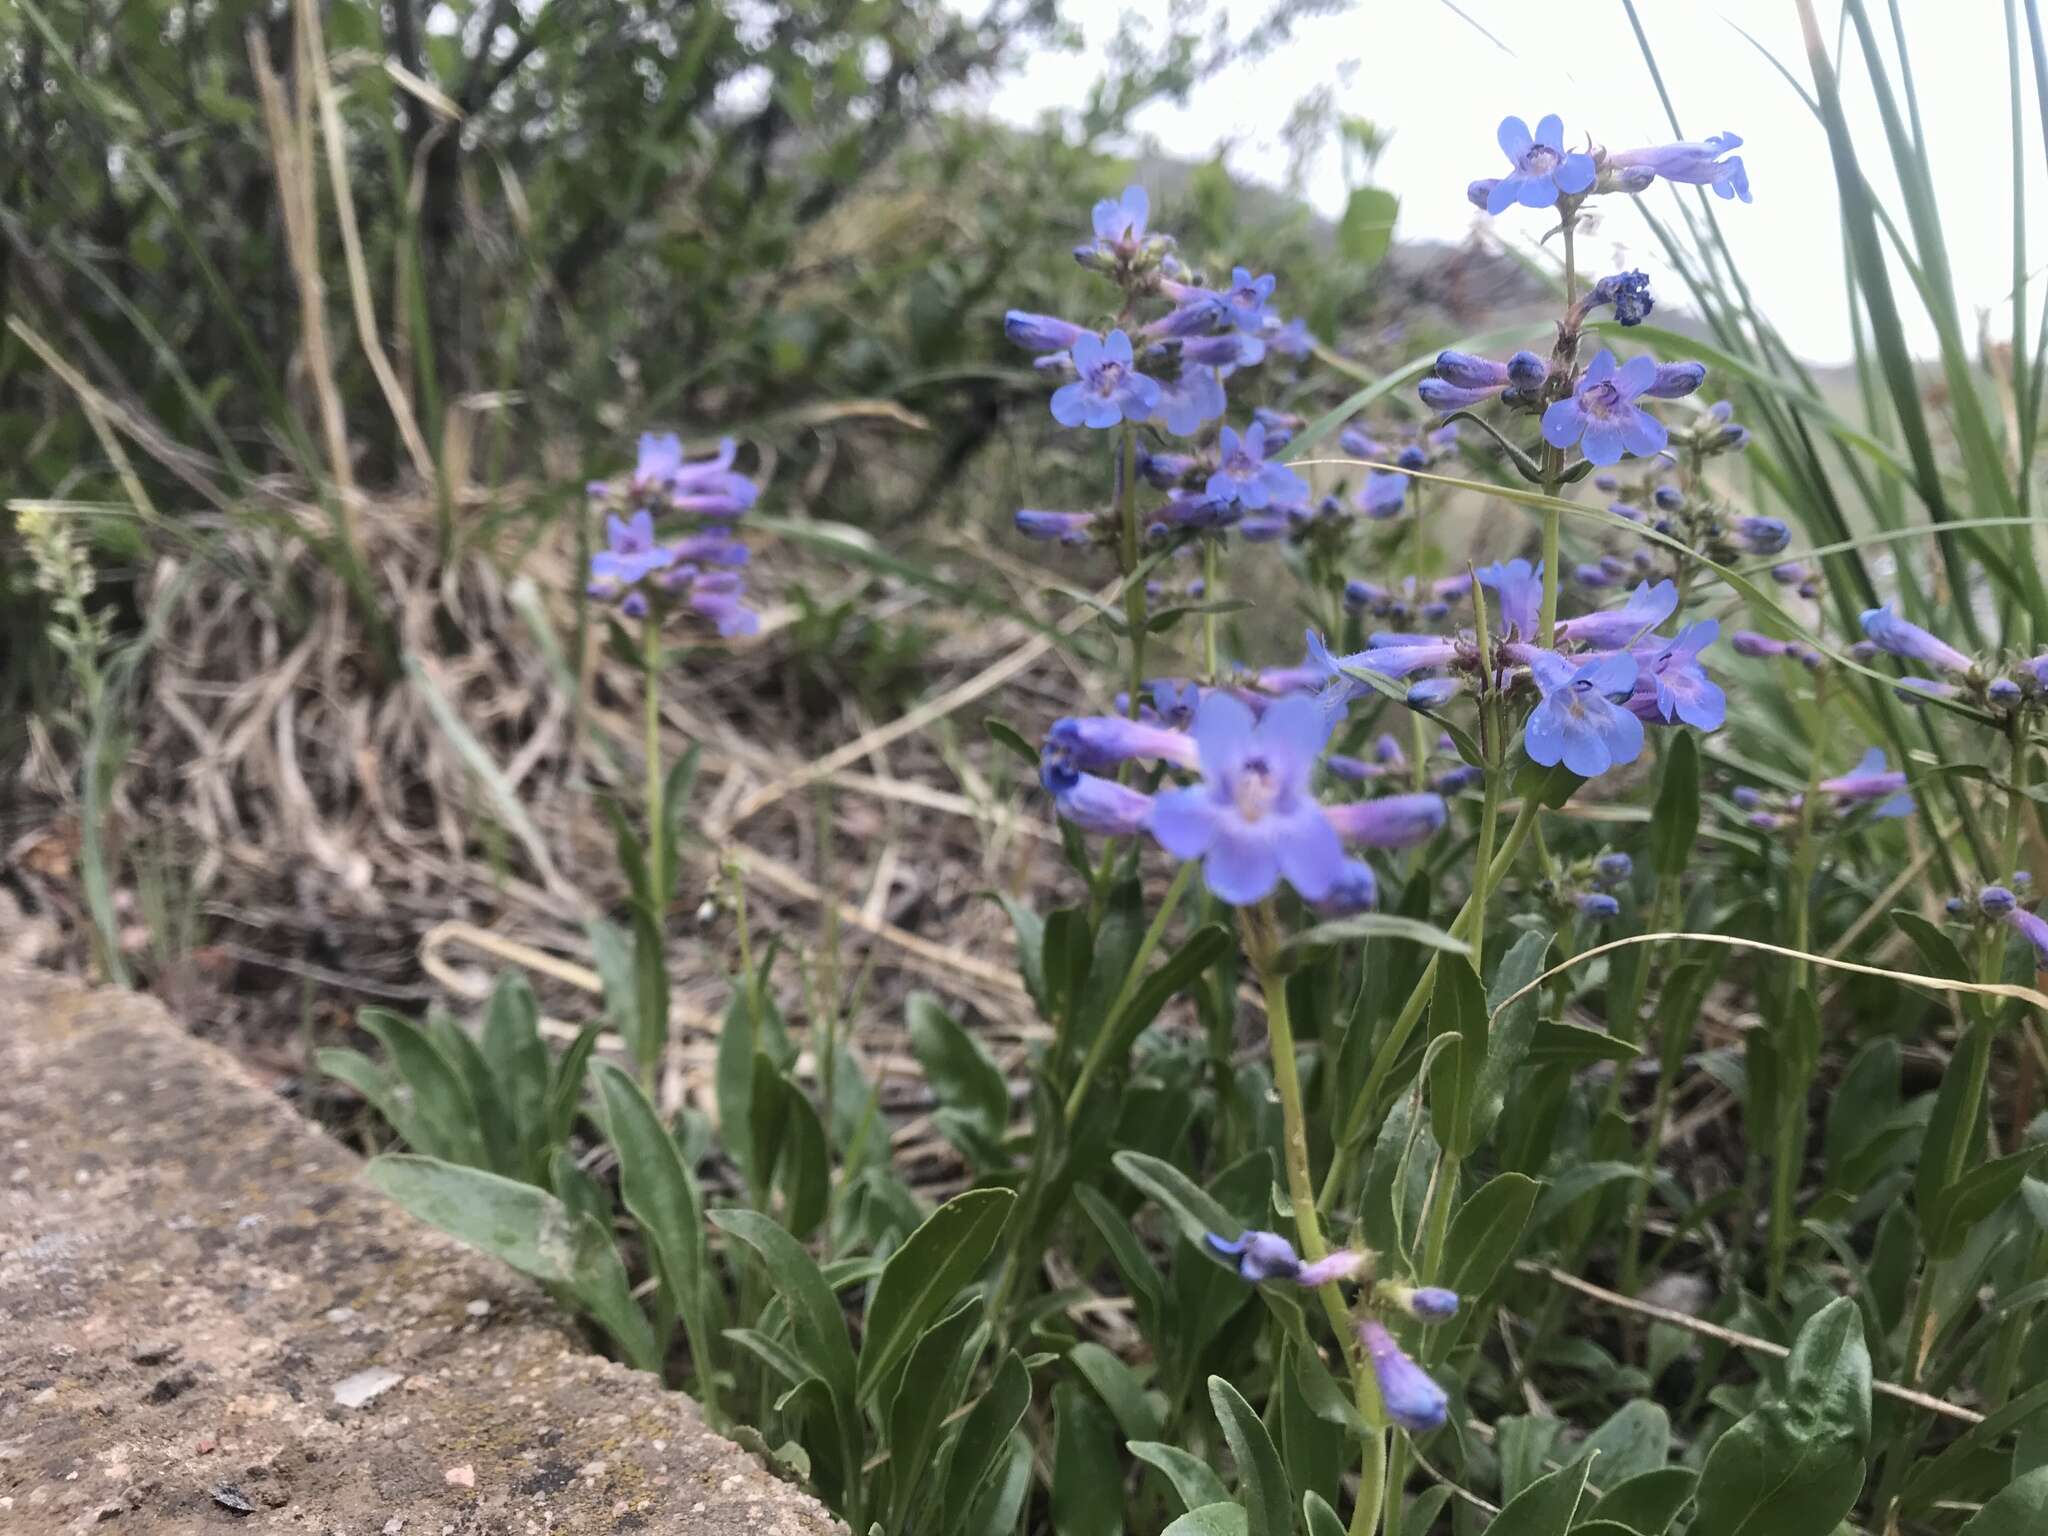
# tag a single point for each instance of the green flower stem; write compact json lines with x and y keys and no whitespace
{"x":1553,"y":459}
{"x":650,"y":659}
{"x":1256,"y":925}
{"x":1669,"y":1063}
{"x":1788,"y":1122}
{"x":1134,"y":589}
{"x":1210,"y":569}
{"x":1098,"y":1048}
{"x":1411,"y":1012}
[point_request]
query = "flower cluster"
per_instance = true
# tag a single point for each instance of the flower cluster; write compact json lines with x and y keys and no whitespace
{"x":1542,"y":173}
{"x":1169,"y":371}
{"x":697,"y":571}
{"x":1412,"y":1397}
{"x":1609,"y":675}
{"x":2007,"y":904}
{"x":1252,"y":816}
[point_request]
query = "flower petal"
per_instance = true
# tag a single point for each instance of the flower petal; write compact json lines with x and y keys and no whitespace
{"x":1068,"y":407}
{"x":1223,"y":729}
{"x":1311,"y":854}
{"x":1514,"y":138}
{"x":1538,"y":192}
{"x":1576,"y":172}
{"x":1643,"y":434}
{"x":1602,"y":443}
{"x":1563,"y":422}
{"x":1242,"y":866}
{"x":1635,"y":376}
{"x":1185,"y":821}
{"x":1505,"y":193}
{"x":1550,"y":132}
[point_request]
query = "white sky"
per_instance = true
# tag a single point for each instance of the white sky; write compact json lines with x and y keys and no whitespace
{"x":1441,"y":86}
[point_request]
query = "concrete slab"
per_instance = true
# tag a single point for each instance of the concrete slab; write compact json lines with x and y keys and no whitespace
{"x":207,"y":1322}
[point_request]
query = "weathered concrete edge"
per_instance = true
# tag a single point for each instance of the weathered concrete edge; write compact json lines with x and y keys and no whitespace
{"x":188,"y":1271}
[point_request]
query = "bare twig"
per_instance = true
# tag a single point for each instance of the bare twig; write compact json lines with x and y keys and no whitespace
{"x":1746,"y":1341}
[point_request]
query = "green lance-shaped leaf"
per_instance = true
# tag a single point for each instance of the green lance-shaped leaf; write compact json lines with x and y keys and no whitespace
{"x":443,"y":1107}
{"x":1262,"y":1484}
{"x":926,"y":1273}
{"x":1795,"y":1465}
{"x":1193,"y":1479}
{"x":982,"y":1444}
{"x":530,"y":1230}
{"x":1546,"y":1507}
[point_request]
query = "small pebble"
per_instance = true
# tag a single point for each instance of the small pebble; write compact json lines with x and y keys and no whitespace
{"x":460,"y":1477}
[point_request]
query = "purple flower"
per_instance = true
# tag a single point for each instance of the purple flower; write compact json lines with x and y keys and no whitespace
{"x":1613,"y":868}
{"x":1292,"y":339}
{"x":1100,"y":805}
{"x":1542,"y":169}
{"x":1527,"y":373}
{"x":1455,"y":780}
{"x":1996,"y":901}
{"x":1119,"y":225}
{"x":1599,"y":906}
{"x":1592,"y":576}
{"x":1901,"y":638}
{"x":1698,"y":164}
{"x":1189,"y":401}
{"x":1398,"y":821}
{"x":1424,"y":1303}
{"x":2003,"y":692}
{"x":1871,"y":780}
{"x":1092,"y":743}
{"x":1381,"y":495}
{"x":1109,"y":389}
{"x":1479,"y":193}
{"x":1243,"y":476}
{"x":1669,"y":498}
{"x":1246,"y":299}
{"x":629,"y":557}
{"x":1269,"y":1256}
{"x":1466,"y":371}
{"x":1790,"y":573}
{"x":1042,"y":333}
{"x":1259,"y":1255}
{"x":1443,"y":397}
{"x":1762,"y":535}
{"x":1577,"y":724}
{"x":1517,"y":587}
{"x":1671,"y":684}
{"x":1628,"y":292}
{"x":1413,"y":1399}
{"x":1918,"y":690}
{"x":1434,"y":693}
{"x":1253,"y":821}
{"x":712,"y":487}
{"x":2034,"y":931}
{"x":1355,"y":889}
{"x":1056,"y":527}
{"x":1646,"y":608}
{"x":1675,"y":381}
{"x":1602,"y":411}
{"x":1748,"y":642}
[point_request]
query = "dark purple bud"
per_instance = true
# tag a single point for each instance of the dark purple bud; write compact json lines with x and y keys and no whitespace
{"x":1424,"y":1303}
{"x":1762,"y":535}
{"x":1747,"y":797}
{"x":1599,"y":906}
{"x":1996,"y":901}
{"x":1455,"y":780}
{"x":1606,"y":483}
{"x":1675,"y":381}
{"x":1469,"y":372}
{"x":1613,"y":868}
{"x":2004,"y":692}
{"x":1527,"y":371}
{"x":1790,"y":574}
{"x":1042,"y":333}
{"x":1060,"y":527}
{"x":1669,"y":498}
{"x":1443,"y":397}
{"x":1747,"y":642}
{"x":1629,"y":293}
{"x":2020,"y":880}
{"x":1433,"y":692}
{"x":1479,"y":192}
{"x":1955,"y":906}
{"x":1259,"y":1255}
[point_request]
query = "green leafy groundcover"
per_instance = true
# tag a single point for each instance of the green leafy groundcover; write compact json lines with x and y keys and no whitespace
{"x":1562,"y":1057}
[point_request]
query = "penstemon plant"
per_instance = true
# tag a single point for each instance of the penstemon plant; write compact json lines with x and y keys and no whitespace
{"x":1346,"y":984}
